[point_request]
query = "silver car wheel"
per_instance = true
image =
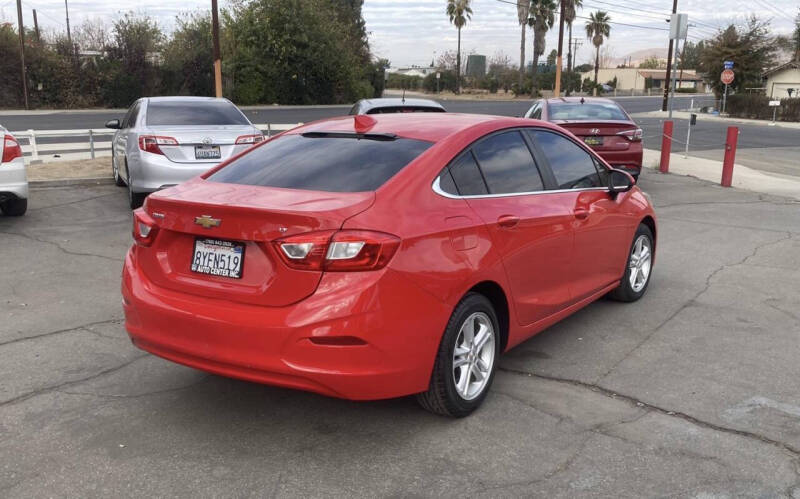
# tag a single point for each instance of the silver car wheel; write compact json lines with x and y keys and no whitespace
{"x":640,"y":263}
{"x":473,"y":355}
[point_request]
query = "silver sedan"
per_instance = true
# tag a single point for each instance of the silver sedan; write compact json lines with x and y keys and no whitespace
{"x":163,"y":141}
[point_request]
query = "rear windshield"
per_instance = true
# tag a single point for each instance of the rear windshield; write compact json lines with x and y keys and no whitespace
{"x":405,"y":109}
{"x":193,"y":113}
{"x":586,"y":111}
{"x":333,"y":164}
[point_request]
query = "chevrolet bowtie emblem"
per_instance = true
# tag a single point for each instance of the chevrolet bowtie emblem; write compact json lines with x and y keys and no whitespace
{"x":207,"y":221}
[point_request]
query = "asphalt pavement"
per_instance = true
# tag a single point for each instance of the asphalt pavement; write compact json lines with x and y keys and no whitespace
{"x":691,"y":392}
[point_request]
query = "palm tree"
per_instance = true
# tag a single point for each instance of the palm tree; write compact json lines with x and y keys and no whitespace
{"x":597,"y":29}
{"x":459,"y":12}
{"x":570,"y":12}
{"x":542,"y":18}
{"x":523,"y":11}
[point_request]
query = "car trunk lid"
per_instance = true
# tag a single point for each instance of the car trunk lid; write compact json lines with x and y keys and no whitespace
{"x":601,"y":135}
{"x":252,"y":216}
{"x":203,"y":144}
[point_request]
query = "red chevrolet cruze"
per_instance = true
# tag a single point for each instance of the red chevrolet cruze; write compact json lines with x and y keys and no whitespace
{"x":374,"y":257}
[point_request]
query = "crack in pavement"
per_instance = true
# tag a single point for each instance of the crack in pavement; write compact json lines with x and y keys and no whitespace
{"x":691,"y":301}
{"x":61,"y":248}
{"x":55,"y":388}
{"x":194,"y":383}
{"x":793,"y":451}
{"x":42,"y":208}
{"x":60,"y":331}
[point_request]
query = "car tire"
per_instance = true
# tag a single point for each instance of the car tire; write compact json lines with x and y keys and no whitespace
{"x":14,"y":207}
{"x":117,"y":179}
{"x":638,"y":268}
{"x":135,"y":199}
{"x":455,"y":390}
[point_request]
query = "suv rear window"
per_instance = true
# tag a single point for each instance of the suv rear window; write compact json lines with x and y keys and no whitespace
{"x":586,"y":111}
{"x":177,"y":113}
{"x":320,"y":163}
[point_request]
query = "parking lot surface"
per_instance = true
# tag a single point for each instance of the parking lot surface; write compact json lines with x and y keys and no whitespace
{"x":694,"y":391}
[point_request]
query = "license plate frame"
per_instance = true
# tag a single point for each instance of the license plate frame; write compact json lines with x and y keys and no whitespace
{"x":593,"y":141}
{"x":207,"y":152}
{"x":200,"y":264}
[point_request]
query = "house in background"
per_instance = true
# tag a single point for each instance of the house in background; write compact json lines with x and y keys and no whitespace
{"x":637,"y":79}
{"x":781,"y":79}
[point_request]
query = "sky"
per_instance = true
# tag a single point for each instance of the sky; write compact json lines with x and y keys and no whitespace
{"x":413,"y":32}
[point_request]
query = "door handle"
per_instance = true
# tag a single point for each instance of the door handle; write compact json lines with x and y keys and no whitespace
{"x":581,"y":214}
{"x":507,"y":221}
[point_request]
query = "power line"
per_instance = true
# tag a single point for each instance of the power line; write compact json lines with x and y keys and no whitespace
{"x":609,"y":22}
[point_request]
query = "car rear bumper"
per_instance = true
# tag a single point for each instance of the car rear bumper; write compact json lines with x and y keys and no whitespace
{"x":13,"y":180}
{"x":156,"y":172}
{"x":629,"y":160}
{"x":393,"y":329}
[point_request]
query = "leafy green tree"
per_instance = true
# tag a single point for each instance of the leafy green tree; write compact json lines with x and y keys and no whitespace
{"x":542,"y":18}
{"x":459,"y":12}
{"x":598,"y":29}
{"x":690,"y":55}
{"x":136,"y":41}
{"x":552,"y":57}
{"x":188,"y":57}
{"x":751,"y":47}
{"x":651,"y":62}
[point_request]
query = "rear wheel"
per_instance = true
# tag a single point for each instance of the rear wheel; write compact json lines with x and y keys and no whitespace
{"x":639,"y":268}
{"x":135,"y":199}
{"x":465,"y":363}
{"x":14,"y":207}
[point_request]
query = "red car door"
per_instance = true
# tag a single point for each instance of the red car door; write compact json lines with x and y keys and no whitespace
{"x":600,"y":225}
{"x":528,"y":226}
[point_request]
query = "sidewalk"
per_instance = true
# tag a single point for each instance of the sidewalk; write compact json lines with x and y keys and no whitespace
{"x":685,"y":115}
{"x":711,"y":170}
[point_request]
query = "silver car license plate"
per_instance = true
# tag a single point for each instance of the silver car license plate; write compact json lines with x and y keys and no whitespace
{"x":217,"y":257}
{"x":207,"y":152}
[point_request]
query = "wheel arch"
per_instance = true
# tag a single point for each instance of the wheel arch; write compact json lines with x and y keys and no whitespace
{"x":497,"y":296}
{"x":651,"y":224}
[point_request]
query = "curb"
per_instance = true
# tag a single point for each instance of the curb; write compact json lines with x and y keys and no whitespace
{"x":71,"y":181}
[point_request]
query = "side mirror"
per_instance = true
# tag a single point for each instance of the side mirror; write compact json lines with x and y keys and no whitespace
{"x":114,"y":124}
{"x":619,"y":181}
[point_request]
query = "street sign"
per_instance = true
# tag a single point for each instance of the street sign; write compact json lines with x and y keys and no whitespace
{"x":438,"y":75}
{"x":678,"y":25}
{"x":727,"y":76}
{"x":774,"y":103}
{"x":728,"y":64}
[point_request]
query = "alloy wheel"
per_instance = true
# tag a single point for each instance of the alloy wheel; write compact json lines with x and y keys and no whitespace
{"x":640,"y":263}
{"x":473,"y":355}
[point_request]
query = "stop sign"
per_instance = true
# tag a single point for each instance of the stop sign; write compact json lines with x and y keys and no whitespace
{"x":727,"y":76}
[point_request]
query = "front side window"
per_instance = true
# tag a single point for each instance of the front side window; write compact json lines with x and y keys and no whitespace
{"x":507,"y":164}
{"x":573,"y":167}
{"x":332,"y":163}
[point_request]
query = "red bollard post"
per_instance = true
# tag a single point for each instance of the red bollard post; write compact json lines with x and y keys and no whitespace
{"x":666,"y":147}
{"x":730,"y":156}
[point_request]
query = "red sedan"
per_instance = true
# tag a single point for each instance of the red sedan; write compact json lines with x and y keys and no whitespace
{"x":601,"y":124}
{"x":374,"y":257}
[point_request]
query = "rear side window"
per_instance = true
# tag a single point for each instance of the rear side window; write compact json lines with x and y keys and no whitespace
{"x":467,"y":176}
{"x":587,"y":111}
{"x":507,"y":164}
{"x":178,"y":113}
{"x":572,"y":167}
{"x":332,"y":164}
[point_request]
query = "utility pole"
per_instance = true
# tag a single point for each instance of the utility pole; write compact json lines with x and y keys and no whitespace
{"x":69,"y":35}
{"x":669,"y":62}
{"x":559,"y":59}
{"x":215,"y":37}
{"x":22,"y":52}
{"x":36,"y":27}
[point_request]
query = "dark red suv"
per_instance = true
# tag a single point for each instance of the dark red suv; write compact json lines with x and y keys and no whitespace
{"x":601,"y":124}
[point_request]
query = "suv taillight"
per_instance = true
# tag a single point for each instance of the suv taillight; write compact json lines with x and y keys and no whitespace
{"x":634,"y":135}
{"x":153,"y":143}
{"x":249,"y":139}
{"x":11,"y":149}
{"x":144,"y":228}
{"x":338,"y":251}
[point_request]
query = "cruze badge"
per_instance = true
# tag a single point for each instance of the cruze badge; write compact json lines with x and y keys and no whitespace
{"x":206,"y":221}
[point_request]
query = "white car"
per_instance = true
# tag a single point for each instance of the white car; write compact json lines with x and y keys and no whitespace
{"x":13,"y":179}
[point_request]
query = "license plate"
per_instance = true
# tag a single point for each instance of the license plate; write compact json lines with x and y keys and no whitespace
{"x":593,"y":141}
{"x":207,"y":152}
{"x":219,"y":258}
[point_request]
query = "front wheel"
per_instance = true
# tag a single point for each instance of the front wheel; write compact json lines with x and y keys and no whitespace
{"x":639,"y":267}
{"x":135,"y":199}
{"x":465,"y":363}
{"x":117,"y":179}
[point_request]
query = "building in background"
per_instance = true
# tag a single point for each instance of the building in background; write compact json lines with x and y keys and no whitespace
{"x":422,"y":71}
{"x":476,"y":66}
{"x":782,"y":78}
{"x":640,"y":80}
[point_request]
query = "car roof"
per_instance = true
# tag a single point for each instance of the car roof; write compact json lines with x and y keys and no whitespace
{"x":399,"y":102}
{"x":431,"y":127}
{"x":577,"y":100}
{"x":186,"y":98}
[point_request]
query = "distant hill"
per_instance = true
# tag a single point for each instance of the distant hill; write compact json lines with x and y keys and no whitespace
{"x":640,"y":56}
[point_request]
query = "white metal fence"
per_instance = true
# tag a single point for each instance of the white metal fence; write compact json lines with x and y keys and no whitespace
{"x":90,"y":143}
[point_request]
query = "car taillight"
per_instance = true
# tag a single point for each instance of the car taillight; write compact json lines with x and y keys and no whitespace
{"x":144,"y":228}
{"x":338,"y":251}
{"x":11,"y":149}
{"x":153,"y":143}
{"x":632,"y":135}
{"x":249,"y":139}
